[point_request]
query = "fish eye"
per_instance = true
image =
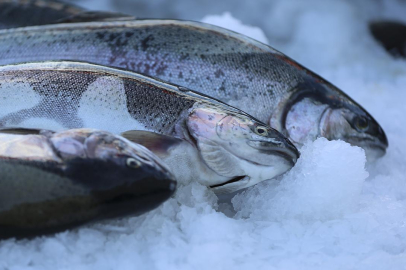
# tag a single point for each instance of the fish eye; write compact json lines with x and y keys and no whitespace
{"x":361,"y":123}
{"x":133,"y":163}
{"x":260,"y":130}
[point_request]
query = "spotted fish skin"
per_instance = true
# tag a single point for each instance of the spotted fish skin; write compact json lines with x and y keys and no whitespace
{"x":73,"y":95}
{"x":189,"y":54}
{"x":220,"y":63}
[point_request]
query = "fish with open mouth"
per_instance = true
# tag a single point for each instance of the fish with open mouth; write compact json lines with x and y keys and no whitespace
{"x":50,"y":182}
{"x":230,"y":149}
{"x":228,"y":66}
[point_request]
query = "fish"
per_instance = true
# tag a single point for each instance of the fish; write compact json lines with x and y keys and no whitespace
{"x":228,"y":66}
{"x":20,"y":13}
{"x":391,"y":35}
{"x":55,"y":181}
{"x":229,"y":148}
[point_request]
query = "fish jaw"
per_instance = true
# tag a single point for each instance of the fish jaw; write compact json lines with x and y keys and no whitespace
{"x":257,"y":173}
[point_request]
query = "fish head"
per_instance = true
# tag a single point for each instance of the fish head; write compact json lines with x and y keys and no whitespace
{"x":239,"y":147}
{"x":322,"y":110}
{"x":123,"y":174}
{"x":355,"y":126}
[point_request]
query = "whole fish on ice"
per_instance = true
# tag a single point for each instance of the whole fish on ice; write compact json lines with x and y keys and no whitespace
{"x":220,"y":63}
{"x":51,"y":182}
{"x":216,"y":144}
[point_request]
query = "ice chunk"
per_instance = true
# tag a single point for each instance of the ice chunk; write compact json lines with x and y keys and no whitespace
{"x":325,"y":183}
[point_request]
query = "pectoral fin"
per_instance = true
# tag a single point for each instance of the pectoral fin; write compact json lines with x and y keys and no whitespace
{"x":96,"y":16}
{"x":25,"y":131}
{"x":157,"y":143}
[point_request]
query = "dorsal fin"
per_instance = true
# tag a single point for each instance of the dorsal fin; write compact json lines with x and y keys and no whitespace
{"x":155,"y":142}
{"x":25,"y":131}
{"x":96,"y":16}
{"x":21,"y":13}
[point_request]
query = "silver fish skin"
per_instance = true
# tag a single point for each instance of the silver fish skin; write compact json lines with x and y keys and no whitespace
{"x":220,"y":63}
{"x":50,"y":182}
{"x":232,"y":149}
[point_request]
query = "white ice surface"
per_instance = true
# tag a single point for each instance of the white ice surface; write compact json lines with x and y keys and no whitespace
{"x":226,"y":20}
{"x":326,"y":213}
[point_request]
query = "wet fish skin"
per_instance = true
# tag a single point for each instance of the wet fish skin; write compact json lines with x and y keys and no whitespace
{"x":60,"y":95}
{"x":50,"y":182}
{"x":220,"y":63}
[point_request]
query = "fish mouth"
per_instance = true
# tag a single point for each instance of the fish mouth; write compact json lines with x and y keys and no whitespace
{"x":289,"y":156}
{"x":288,"y":153}
{"x":233,"y":180}
{"x":369,"y":145}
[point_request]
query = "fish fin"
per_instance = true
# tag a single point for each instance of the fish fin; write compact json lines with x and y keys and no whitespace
{"x":218,"y":159}
{"x":96,"y":16}
{"x":25,"y":131}
{"x":157,"y":143}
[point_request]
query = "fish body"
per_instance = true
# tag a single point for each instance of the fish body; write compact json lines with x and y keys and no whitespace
{"x":226,"y":143}
{"x":51,"y":182}
{"x":220,"y":63}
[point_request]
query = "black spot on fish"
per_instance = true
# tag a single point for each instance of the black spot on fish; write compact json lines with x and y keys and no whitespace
{"x":128,"y":34}
{"x":144,"y":42}
{"x":184,"y":56}
{"x":161,"y":69}
{"x":219,"y":73}
{"x":222,"y":87}
{"x":180,"y":75}
{"x":112,"y":37}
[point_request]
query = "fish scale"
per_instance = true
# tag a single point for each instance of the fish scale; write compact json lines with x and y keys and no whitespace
{"x":65,"y":89}
{"x":215,"y":67}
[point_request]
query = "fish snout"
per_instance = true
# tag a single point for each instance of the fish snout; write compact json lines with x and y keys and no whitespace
{"x":277,"y":144}
{"x":288,"y":149}
{"x":381,"y":138}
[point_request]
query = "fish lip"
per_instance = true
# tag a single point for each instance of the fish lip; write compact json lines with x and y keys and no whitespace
{"x":288,"y":155}
{"x":369,"y":144}
{"x":233,"y":180}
